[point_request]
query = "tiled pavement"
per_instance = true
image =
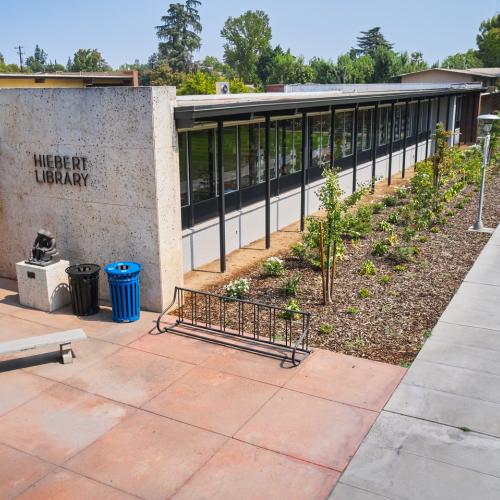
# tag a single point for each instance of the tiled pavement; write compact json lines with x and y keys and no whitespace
{"x":159,"y":416}
{"x":439,"y":435}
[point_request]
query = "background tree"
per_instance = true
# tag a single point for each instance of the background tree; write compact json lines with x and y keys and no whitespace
{"x":180,"y":33}
{"x":323,"y":70}
{"x":247,"y":37}
{"x":8,"y":68}
{"x":38,"y":61}
{"x":87,"y":60}
{"x":266,"y":62}
{"x":385,"y":64}
{"x":371,"y":40}
{"x":286,"y":68}
{"x":462,"y":60}
{"x":488,"y":42}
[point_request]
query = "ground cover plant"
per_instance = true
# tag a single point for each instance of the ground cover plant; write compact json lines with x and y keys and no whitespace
{"x":392,"y":266}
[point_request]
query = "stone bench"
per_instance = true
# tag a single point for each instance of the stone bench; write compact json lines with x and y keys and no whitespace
{"x":64,"y":340}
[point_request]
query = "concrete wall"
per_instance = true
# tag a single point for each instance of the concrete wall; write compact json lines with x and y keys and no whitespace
{"x":438,"y":76}
{"x":201,"y":242}
{"x":129,"y":209}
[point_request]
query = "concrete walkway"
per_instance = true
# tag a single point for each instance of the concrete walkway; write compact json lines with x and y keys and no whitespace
{"x":438,"y":437}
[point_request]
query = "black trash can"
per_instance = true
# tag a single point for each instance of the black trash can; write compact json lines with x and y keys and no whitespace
{"x":84,"y":288}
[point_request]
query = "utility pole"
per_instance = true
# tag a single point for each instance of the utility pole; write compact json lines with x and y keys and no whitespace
{"x":19,"y":49}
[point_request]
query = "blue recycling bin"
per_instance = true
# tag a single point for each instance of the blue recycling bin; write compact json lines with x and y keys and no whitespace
{"x":124,"y":290}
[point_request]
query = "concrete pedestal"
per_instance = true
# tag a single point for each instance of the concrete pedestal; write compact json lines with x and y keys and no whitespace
{"x":44,"y":288}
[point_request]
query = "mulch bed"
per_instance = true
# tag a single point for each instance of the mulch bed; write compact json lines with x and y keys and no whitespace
{"x":392,"y":324}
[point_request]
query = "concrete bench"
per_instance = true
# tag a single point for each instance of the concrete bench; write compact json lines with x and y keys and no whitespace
{"x":64,"y":340}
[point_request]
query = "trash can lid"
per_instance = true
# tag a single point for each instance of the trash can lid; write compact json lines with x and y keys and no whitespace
{"x":120,"y":268}
{"x":83,"y":269}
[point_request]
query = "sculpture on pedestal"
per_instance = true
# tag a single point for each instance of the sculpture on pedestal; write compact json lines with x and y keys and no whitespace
{"x":44,"y":251}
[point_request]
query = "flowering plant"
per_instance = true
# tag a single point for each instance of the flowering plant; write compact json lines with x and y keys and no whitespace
{"x":238,"y":287}
{"x":273,"y":266}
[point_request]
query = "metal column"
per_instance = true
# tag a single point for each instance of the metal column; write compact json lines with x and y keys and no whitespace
{"x":222,"y":207}
{"x":417,"y":126}
{"x":391,"y":143}
{"x":374,"y":147}
{"x":267,"y":165}
{"x":305,"y":150}
{"x":429,"y":105}
{"x":355,"y":151}
{"x":405,"y":131}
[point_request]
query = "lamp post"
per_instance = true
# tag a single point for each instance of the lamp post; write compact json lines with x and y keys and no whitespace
{"x":486,"y":123}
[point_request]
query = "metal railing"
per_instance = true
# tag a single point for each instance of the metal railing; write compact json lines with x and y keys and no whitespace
{"x":284,"y":332}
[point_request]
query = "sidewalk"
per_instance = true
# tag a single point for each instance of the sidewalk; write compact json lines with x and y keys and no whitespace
{"x":438,"y":437}
{"x":162,"y":416}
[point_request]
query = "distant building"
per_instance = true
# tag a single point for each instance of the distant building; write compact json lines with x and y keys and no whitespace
{"x":488,"y":77}
{"x":69,"y":80}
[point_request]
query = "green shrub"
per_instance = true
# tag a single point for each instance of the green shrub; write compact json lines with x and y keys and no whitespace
{"x":400,"y":254}
{"x":326,"y":328}
{"x":237,"y":288}
{"x":385,"y":279}
{"x":273,"y":266}
{"x":394,"y":217}
{"x":423,"y":239}
{"x":399,"y":268}
{"x":291,"y":286}
{"x":460,"y":205}
{"x":409,"y":234}
{"x":377,"y":207}
{"x":401,"y":193}
{"x":384,"y":225}
{"x":352,"y":310}
{"x":391,"y":240}
{"x":292,"y":307}
{"x":299,"y":250}
{"x":435,"y":229}
{"x":390,"y":201}
{"x":380,"y":249}
{"x":427,"y":333}
{"x":359,"y":225}
{"x":450,"y":213}
{"x":368,"y":268}
{"x":363,"y":293}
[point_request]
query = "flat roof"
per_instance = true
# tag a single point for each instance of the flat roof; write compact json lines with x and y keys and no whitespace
{"x":191,"y":109}
{"x":74,"y":75}
{"x":484,"y":72}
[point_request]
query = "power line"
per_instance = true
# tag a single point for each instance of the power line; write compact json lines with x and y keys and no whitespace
{"x":19,"y":49}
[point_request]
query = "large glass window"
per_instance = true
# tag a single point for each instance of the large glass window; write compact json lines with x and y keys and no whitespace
{"x":384,"y":125}
{"x":272,"y":151}
{"x":397,"y":122}
{"x":202,"y":148}
{"x":183,"y":167}
{"x":250,"y":165}
{"x":290,"y":145}
{"x":365,"y":119}
{"x":319,"y":130}
{"x":343,"y":133}
{"x":422,"y":126}
{"x":458,"y":111}
{"x":230,"y":159}
{"x":412,"y":111}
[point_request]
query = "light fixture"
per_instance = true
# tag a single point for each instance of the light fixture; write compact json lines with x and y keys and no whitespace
{"x":486,"y":123}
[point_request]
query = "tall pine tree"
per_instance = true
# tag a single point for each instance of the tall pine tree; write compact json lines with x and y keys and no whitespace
{"x":180,"y":35}
{"x":371,"y":40}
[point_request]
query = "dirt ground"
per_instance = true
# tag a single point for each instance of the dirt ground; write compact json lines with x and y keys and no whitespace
{"x":392,"y":323}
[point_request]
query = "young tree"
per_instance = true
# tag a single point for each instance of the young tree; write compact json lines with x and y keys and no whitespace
{"x":371,"y":40}
{"x":247,"y":37}
{"x":385,"y":64}
{"x":38,"y":61}
{"x":488,"y":42}
{"x":87,"y":60}
{"x":180,"y":33}
{"x":336,"y":206}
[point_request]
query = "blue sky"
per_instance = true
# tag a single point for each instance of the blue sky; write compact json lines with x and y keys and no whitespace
{"x":123,"y":30}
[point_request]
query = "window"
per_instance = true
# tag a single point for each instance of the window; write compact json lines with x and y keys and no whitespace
{"x":183,"y":163}
{"x":365,"y":119}
{"x":202,"y":148}
{"x":412,"y":111}
{"x":422,"y":126}
{"x":230,"y":157}
{"x":250,"y":166}
{"x":458,"y":111}
{"x":343,"y":133}
{"x":272,"y":151}
{"x":397,"y":123}
{"x":319,"y":129}
{"x":290,"y":145}
{"x":384,"y":125}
